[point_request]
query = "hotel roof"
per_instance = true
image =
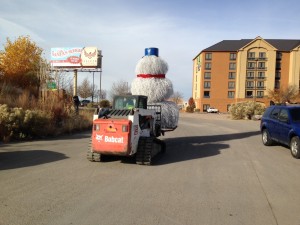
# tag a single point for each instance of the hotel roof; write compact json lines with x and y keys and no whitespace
{"x":284,"y":45}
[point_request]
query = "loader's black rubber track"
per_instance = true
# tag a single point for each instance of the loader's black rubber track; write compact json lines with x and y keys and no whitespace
{"x":93,"y":156}
{"x":144,"y":151}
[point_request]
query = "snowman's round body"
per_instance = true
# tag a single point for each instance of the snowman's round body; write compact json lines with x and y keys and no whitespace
{"x":151,"y":81}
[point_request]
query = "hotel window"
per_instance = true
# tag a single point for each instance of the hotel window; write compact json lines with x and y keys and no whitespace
{"x":278,"y":55}
{"x":206,"y":84}
{"x":249,"y":94}
{"x":277,"y":75}
{"x":249,"y":84}
{"x":261,"y":65}
{"x":278,"y":66}
{"x":232,"y":66}
{"x":230,"y":94}
{"x":261,"y":75}
{"x":206,"y":94}
{"x":231,"y":85}
{"x":228,"y":107}
{"x":262,"y":55}
{"x":251,"y":55}
{"x":205,"y":107}
{"x":260,"y":84}
{"x":251,"y":65}
{"x":277,"y":84}
{"x":207,"y":66}
{"x":207,"y":75}
{"x":231,"y":75}
{"x":260,"y":94}
{"x":232,"y":56}
{"x":250,"y":75}
{"x":208,"y":56}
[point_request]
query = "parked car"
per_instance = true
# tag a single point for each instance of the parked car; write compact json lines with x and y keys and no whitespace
{"x":84,"y":102}
{"x":212,"y":110}
{"x":281,"y":123}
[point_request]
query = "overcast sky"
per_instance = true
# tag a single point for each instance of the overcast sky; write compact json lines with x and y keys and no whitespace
{"x":122,"y":29}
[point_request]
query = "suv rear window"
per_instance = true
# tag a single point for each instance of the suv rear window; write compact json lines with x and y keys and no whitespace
{"x":274,"y":113}
{"x":295,"y":114}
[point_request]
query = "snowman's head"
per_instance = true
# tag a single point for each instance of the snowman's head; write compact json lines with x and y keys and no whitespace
{"x":151,"y":65}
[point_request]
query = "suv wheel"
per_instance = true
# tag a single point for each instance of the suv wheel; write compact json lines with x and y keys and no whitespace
{"x":295,"y":145}
{"x":266,"y":139}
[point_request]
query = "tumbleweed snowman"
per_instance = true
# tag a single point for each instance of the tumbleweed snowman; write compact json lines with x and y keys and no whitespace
{"x":151,"y":81}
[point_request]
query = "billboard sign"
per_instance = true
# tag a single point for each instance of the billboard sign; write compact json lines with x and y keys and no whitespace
{"x":76,"y":57}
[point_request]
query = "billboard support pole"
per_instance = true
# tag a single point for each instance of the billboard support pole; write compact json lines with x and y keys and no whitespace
{"x":75,"y":83}
{"x":100,"y":84}
{"x":93,"y":88}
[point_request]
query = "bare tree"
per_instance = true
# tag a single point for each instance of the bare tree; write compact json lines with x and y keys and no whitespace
{"x":69,"y":89}
{"x":283,"y":95}
{"x":62,"y":80}
{"x":177,"y":97}
{"x":44,"y":74}
{"x":119,"y":88}
{"x":100,"y":96}
{"x":85,"y":90}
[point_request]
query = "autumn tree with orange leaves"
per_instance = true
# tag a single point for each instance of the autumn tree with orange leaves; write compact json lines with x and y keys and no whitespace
{"x":19,"y":63}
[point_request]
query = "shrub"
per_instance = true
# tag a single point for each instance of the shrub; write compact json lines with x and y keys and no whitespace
{"x":104,"y":103}
{"x":189,"y":109}
{"x":90,"y":105}
{"x":246,"y":110}
{"x":22,"y":117}
{"x":19,"y":124}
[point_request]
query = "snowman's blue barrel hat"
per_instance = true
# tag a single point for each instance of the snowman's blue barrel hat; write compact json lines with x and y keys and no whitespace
{"x":151,"y":51}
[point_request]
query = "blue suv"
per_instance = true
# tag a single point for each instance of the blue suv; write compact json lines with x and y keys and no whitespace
{"x":281,"y":123}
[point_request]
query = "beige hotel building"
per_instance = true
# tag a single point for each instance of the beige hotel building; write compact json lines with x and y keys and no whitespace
{"x":233,"y":71}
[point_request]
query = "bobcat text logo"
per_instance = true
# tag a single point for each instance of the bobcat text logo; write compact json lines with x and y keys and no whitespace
{"x":109,"y":139}
{"x":99,"y":137}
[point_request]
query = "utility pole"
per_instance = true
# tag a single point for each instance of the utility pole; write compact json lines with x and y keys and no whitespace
{"x":75,"y":83}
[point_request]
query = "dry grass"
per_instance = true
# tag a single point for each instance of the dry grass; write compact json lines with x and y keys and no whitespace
{"x":23,"y":116}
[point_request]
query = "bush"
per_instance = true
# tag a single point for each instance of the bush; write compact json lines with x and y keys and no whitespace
{"x":90,"y":105}
{"x":189,"y":109}
{"x":104,"y":103}
{"x":19,"y":124}
{"x":246,"y":110}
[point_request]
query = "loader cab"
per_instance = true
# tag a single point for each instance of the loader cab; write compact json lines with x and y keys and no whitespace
{"x":130,"y":102}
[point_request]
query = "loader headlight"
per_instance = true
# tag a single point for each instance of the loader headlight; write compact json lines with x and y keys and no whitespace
{"x":97,"y":127}
{"x":124,"y":128}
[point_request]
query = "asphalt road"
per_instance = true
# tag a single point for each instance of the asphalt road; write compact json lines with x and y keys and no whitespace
{"x":215,"y":171}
